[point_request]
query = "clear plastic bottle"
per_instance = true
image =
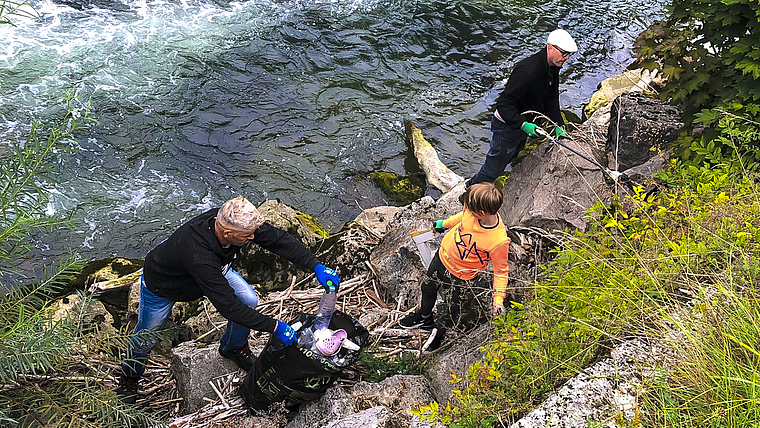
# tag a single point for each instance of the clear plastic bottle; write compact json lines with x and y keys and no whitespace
{"x":325,"y":310}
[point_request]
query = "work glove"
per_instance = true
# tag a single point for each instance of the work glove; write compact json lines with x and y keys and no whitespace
{"x":529,"y":128}
{"x":285,"y":333}
{"x":327,"y":277}
{"x":559,"y":132}
{"x":497,"y":307}
{"x":438,"y":226}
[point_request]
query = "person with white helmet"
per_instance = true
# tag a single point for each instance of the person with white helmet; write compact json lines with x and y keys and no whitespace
{"x":533,"y":85}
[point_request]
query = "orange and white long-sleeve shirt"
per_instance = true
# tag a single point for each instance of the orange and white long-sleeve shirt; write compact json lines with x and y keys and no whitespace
{"x":467,"y":248}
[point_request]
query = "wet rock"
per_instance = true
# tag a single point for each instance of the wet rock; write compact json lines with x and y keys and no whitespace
{"x":639,"y":124}
{"x":637,"y":80}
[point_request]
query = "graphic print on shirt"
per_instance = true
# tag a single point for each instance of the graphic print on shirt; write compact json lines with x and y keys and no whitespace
{"x":465,"y":246}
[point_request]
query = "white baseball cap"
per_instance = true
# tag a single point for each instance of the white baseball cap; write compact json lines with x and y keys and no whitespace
{"x":563,"y":40}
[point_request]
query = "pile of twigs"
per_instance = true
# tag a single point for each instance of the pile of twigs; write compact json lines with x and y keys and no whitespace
{"x":356,"y":296}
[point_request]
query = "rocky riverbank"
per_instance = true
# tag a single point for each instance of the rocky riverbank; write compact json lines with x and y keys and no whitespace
{"x":546,"y":196}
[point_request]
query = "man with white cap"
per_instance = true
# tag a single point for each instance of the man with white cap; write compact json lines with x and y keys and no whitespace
{"x":533,"y":85}
{"x":196,"y":261}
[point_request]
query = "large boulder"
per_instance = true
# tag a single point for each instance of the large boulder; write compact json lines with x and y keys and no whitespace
{"x":193,"y":365}
{"x":552,"y":188}
{"x":90,"y":315}
{"x":267,"y":271}
{"x":396,"y":259}
{"x":606,"y":390}
{"x":640,"y":124}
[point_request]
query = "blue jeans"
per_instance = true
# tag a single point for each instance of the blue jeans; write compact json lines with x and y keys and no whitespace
{"x":153,"y":312}
{"x":506,"y":143}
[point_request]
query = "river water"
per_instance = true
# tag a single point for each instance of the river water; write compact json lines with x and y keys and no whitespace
{"x":201,"y":100}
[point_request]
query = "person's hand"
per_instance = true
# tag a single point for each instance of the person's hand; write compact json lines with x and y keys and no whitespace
{"x":438,"y":226}
{"x":559,"y":132}
{"x":497,"y":310}
{"x":529,"y":128}
{"x":285,"y":333}
{"x":327,"y":277}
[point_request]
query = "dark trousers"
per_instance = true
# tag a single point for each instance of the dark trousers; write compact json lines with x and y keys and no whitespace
{"x":506,"y":143}
{"x":438,"y":275}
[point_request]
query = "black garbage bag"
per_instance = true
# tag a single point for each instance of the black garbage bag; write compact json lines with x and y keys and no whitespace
{"x":295,"y":375}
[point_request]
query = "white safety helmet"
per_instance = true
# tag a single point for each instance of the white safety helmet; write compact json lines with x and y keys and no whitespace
{"x":563,"y":40}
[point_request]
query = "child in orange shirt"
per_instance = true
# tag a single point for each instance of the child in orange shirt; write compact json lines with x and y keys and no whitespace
{"x":477,"y":236}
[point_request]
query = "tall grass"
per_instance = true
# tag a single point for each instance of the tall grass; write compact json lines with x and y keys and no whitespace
{"x":681,"y":265}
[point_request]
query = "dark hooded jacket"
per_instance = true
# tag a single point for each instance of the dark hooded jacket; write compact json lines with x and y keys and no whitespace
{"x":533,"y":85}
{"x":191,"y":263}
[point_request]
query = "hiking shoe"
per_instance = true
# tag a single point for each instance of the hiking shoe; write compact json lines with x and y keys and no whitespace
{"x":243,"y":357}
{"x":417,"y":320}
{"x":127,"y":389}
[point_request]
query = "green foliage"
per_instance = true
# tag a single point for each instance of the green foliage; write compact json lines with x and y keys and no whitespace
{"x":44,"y":371}
{"x":717,"y":383}
{"x":10,"y":9}
{"x":23,"y":201}
{"x":708,"y":50}
{"x":374,"y":368}
{"x":621,"y":277}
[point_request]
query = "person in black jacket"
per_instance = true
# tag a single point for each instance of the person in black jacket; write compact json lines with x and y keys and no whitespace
{"x":533,"y":85}
{"x":196,"y":261}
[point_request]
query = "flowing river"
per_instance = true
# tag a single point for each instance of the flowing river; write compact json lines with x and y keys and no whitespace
{"x":201,"y":100}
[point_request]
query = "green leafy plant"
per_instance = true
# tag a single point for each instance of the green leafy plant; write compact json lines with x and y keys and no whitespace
{"x":709,"y":52}
{"x":43,"y":371}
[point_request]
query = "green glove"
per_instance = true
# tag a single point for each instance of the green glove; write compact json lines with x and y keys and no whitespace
{"x":529,"y":128}
{"x":560,"y":132}
{"x":438,"y":226}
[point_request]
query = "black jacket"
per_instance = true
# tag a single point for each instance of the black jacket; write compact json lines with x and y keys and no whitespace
{"x":533,"y":85}
{"x":191,"y":263}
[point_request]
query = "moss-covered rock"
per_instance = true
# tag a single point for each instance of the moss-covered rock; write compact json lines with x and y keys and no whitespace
{"x":401,"y":190}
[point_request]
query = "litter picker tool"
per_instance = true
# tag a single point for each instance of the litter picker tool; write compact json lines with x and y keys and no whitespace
{"x":616,"y":175}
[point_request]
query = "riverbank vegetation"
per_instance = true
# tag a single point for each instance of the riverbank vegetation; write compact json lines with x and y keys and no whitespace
{"x":681,"y":265}
{"x":46,"y":380}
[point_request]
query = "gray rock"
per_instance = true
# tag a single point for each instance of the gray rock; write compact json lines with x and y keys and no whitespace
{"x":463,"y":352}
{"x":90,"y":314}
{"x":645,"y":172}
{"x":608,"y":388}
{"x":552,"y":188}
{"x":376,"y":417}
{"x":193,"y":365}
{"x":357,"y":406}
{"x":638,"y":124}
{"x":378,"y":219}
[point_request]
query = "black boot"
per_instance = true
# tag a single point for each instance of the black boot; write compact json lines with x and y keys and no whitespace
{"x":127,"y":390}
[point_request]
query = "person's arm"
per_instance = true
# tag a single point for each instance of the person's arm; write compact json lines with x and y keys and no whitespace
{"x":285,"y":245}
{"x":215,"y":286}
{"x":517,"y":86}
{"x":552,"y":103}
{"x":500,"y":260}
{"x":453,"y":220}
